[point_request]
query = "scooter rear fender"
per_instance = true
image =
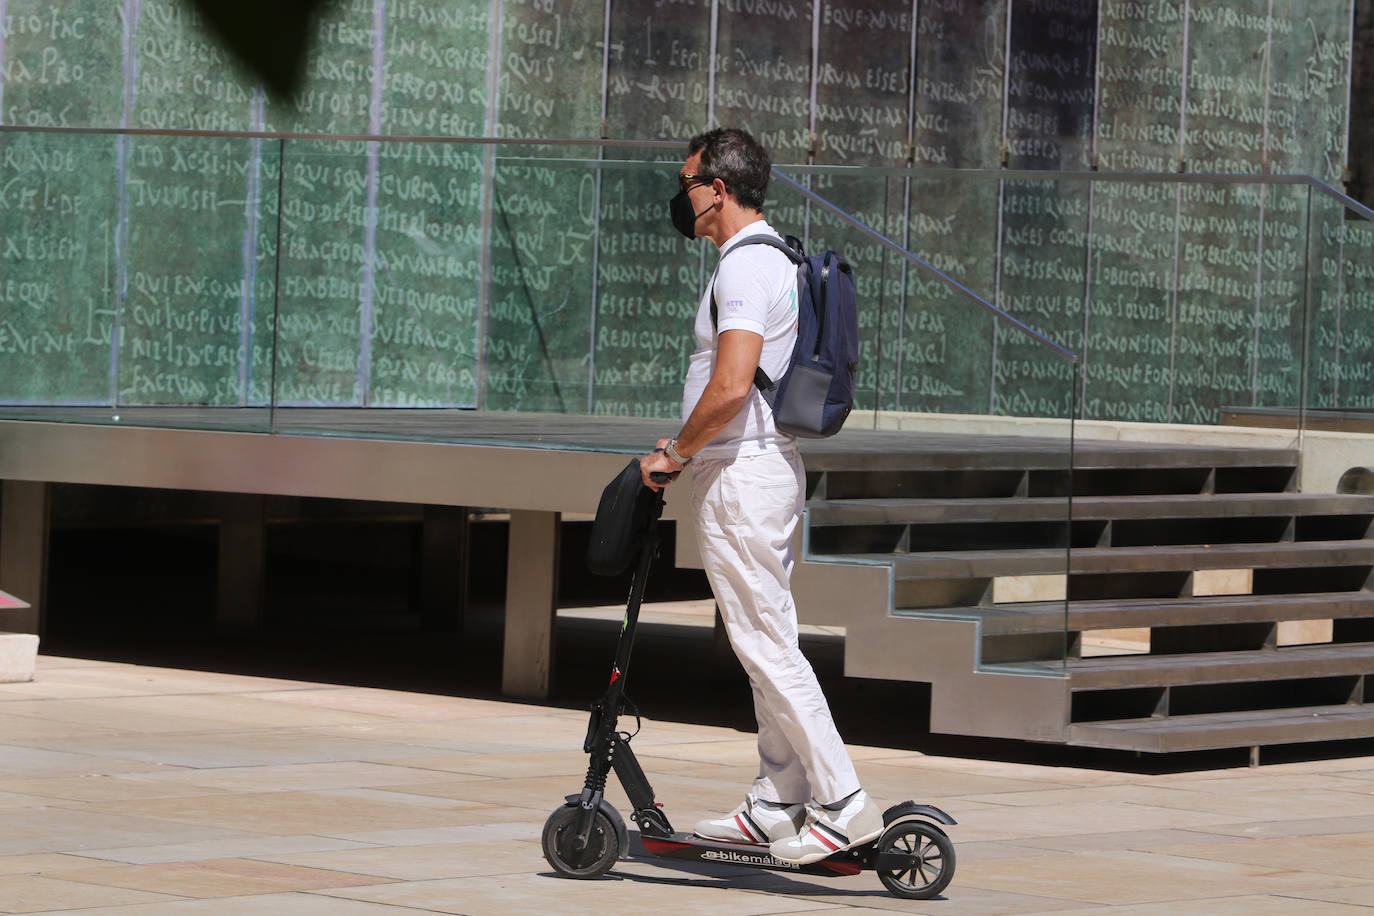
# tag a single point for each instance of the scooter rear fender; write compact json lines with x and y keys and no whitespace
{"x":911,"y":809}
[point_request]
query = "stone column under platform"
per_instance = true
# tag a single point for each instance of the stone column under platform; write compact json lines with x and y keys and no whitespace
{"x":531,"y":604}
{"x":24,"y":521}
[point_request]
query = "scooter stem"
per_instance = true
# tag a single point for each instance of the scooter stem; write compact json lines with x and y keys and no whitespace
{"x":602,"y":741}
{"x":615,"y":690}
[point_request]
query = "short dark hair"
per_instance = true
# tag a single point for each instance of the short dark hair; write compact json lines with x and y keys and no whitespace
{"x":736,"y":158}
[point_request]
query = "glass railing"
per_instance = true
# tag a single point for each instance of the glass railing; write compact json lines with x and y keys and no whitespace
{"x":246,"y":271}
{"x":1185,"y":296}
{"x":979,"y":516}
{"x":503,"y":292}
{"x":1332,"y":408}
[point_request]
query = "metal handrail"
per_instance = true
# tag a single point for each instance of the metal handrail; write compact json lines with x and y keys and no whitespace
{"x":925,"y":265}
{"x":1341,"y":197}
{"x":1192,"y":178}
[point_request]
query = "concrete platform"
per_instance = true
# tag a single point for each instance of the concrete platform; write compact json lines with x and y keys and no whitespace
{"x":139,"y":790}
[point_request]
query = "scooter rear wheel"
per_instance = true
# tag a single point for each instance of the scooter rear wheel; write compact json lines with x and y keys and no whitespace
{"x":915,"y":860}
{"x":603,"y":844}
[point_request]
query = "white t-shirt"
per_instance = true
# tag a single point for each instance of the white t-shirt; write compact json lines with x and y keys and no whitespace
{"x":756,"y":290}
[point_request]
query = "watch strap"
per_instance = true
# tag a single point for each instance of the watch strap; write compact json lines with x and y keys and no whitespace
{"x":671,"y":451}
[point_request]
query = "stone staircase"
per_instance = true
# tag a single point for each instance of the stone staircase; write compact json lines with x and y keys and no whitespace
{"x":1160,"y":598}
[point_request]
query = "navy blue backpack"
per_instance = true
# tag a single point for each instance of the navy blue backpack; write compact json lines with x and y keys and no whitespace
{"x":815,"y":395}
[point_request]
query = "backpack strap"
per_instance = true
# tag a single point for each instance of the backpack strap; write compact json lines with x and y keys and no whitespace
{"x":825,"y":289}
{"x":793,"y":249}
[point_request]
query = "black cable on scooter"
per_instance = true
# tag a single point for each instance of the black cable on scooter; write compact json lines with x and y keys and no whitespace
{"x":626,"y":736}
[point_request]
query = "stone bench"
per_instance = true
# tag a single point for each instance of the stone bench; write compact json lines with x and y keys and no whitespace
{"x":18,"y":651}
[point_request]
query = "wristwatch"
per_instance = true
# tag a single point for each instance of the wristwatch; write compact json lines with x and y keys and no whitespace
{"x":673,"y":455}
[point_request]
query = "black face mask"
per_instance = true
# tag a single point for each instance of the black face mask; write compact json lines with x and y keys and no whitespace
{"x":683,"y":216}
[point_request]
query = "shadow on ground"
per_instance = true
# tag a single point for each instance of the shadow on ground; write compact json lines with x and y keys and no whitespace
{"x":148,"y":598}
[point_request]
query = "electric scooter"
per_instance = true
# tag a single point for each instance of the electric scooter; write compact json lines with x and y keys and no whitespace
{"x":583,"y":838}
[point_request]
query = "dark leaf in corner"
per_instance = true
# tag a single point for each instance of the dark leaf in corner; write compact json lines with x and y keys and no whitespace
{"x":270,"y":37}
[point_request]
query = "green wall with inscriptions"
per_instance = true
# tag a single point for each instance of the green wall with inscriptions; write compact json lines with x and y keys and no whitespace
{"x":228,"y":271}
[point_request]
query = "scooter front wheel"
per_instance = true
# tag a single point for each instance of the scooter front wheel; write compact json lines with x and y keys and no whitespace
{"x":560,"y":835}
{"x":915,"y":859}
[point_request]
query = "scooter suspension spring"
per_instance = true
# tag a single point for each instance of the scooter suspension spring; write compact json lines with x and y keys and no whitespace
{"x":596,"y":777}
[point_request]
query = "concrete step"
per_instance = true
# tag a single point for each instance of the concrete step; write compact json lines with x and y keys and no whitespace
{"x":830,"y":512}
{"x":858,"y":450}
{"x":1125,"y":671}
{"x":1049,"y":616}
{"x":1086,"y":560}
{"x":1251,"y":728}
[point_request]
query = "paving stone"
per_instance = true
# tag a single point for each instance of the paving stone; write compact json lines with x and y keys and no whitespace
{"x":214,"y":877}
{"x":1245,"y":905}
{"x":1126,"y":879}
{"x":480,"y":855}
{"x":297,"y":904}
{"x":131,"y":790}
{"x":256,"y":845}
{"x":328,"y":813}
{"x":530,"y":893}
{"x":1346,"y":855}
{"x":39,"y":894}
{"x":50,"y":829}
{"x":40,"y":863}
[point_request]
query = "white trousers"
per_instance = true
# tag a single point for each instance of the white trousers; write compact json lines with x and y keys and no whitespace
{"x":746,"y":511}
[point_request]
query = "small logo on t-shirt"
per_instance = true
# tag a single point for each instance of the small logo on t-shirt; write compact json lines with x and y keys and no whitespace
{"x":792,"y":305}
{"x":734,"y":306}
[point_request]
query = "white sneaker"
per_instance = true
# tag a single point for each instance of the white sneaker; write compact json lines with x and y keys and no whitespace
{"x":828,"y":832}
{"x":754,"y":821}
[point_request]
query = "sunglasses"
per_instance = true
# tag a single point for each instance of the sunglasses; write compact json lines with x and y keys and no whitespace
{"x":686,"y":181}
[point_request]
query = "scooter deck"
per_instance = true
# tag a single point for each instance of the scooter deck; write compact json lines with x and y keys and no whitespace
{"x":750,"y":855}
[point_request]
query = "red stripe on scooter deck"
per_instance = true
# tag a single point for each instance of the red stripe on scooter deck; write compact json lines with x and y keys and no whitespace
{"x":747,"y":855}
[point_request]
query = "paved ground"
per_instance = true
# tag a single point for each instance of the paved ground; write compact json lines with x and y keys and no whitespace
{"x":139,"y":790}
